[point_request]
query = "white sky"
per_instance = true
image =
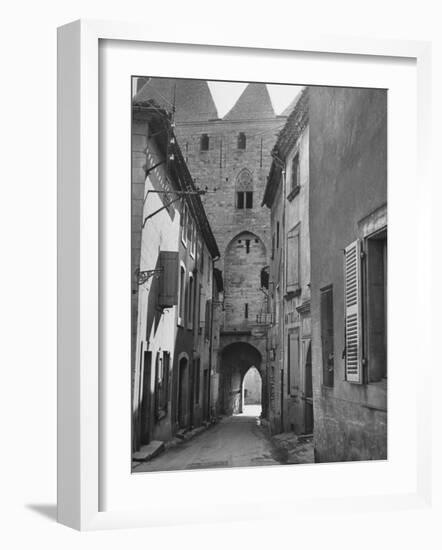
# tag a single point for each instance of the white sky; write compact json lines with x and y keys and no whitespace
{"x":225,"y":95}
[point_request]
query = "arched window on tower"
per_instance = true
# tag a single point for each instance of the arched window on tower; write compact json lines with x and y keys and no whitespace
{"x":244,"y":190}
{"x":241,"y":141}
{"x":204,"y":142}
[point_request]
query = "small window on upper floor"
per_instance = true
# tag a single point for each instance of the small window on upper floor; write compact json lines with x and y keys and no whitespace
{"x":241,"y":140}
{"x":204,"y":142}
{"x":244,"y":190}
{"x":244,"y":199}
{"x":295,"y":181}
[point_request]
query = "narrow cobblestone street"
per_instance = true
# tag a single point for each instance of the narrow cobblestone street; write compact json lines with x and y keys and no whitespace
{"x":237,"y":440}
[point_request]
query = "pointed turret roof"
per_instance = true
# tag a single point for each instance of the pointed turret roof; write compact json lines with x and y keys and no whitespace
{"x":254,"y":103}
{"x":288,"y":110}
{"x":193,"y":99}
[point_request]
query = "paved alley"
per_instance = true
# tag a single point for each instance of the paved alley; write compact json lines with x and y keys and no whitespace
{"x":237,"y":440}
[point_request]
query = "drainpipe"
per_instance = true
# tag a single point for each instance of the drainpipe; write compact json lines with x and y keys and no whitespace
{"x":282,"y":164}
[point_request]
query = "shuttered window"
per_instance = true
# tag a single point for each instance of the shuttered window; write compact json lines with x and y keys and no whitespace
{"x":202,"y":308}
{"x":208,"y":319}
{"x":292,"y":284}
{"x":168,"y":296}
{"x":352,"y":296}
{"x":190,"y":302}
{"x":182,"y":293}
{"x":293,"y":362}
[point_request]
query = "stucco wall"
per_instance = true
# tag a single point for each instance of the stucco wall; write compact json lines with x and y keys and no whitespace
{"x":348,"y":181}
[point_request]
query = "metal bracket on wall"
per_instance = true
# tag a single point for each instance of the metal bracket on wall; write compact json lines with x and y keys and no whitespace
{"x":180,"y":194}
{"x":144,"y":276}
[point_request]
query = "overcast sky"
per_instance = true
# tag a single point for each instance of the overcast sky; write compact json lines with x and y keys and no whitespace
{"x":226,"y":93}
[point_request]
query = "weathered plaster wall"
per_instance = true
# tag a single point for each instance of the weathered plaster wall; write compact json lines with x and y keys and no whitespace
{"x":348,"y":181}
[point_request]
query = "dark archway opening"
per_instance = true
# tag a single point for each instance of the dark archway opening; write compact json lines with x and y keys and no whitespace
{"x":237,"y":360}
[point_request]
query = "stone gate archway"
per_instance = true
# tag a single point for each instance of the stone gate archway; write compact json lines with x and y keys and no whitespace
{"x":236,"y":359}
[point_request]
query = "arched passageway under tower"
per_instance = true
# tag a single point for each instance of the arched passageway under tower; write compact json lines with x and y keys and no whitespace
{"x":237,"y":359}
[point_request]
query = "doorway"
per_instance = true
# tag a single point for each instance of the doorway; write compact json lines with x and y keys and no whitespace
{"x":182,"y":392}
{"x":206,"y":395}
{"x":252,"y":393}
{"x":308,"y":391}
{"x":145,"y":412}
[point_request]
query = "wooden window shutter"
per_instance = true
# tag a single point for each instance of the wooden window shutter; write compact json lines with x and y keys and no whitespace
{"x":352,"y":296}
{"x":168,"y":296}
{"x":208,"y":319}
{"x":202,"y":313}
{"x":293,"y":363}
{"x":292,"y":283}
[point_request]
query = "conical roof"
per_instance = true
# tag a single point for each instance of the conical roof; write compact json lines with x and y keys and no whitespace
{"x":254,"y":103}
{"x":193,"y":99}
{"x":288,"y":110}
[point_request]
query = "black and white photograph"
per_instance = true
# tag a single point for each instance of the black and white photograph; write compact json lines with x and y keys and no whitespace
{"x":259,"y":274}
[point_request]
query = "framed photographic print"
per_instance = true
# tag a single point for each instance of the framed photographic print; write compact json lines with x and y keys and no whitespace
{"x":225,"y":282}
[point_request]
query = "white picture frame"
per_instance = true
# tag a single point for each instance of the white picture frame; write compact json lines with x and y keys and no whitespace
{"x":80,"y":270}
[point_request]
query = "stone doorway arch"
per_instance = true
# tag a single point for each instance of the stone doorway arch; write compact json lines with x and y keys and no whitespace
{"x":252,"y":392}
{"x":236,"y":360}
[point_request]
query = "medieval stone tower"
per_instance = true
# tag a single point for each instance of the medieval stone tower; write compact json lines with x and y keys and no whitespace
{"x":231,"y":157}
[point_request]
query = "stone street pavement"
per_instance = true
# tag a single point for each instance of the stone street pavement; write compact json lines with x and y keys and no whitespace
{"x":235,"y":441}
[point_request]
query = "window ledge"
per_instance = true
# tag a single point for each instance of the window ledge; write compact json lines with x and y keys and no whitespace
{"x":293,"y":193}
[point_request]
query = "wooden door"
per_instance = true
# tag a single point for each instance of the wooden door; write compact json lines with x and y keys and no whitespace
{"x":308,"y":390}
{"x":146,"y":401}
{"x":182,"y":393}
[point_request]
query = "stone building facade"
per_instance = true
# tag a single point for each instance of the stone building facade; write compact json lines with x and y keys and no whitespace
{"x":230,"y":159}
{"x":287,"y":197}
{"x":175,"y":325}
{"x":348,"y":186}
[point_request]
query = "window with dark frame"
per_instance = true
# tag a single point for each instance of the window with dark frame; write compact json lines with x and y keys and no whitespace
{"x":246,"y":311}
{"x":190,"y":302}
{"x":182,"y":292}
{"x":365,"y":295}
{"x":208,"y":319}
{"x":241,"y":143}
{"x":244,"y":199}
{"x":375,"y":305}
{"x":327,"y":335}
{"x":295,"y":173}
{"x":184,"y":224}
{"x":244,"y":190}
{"x":204,"y":142}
